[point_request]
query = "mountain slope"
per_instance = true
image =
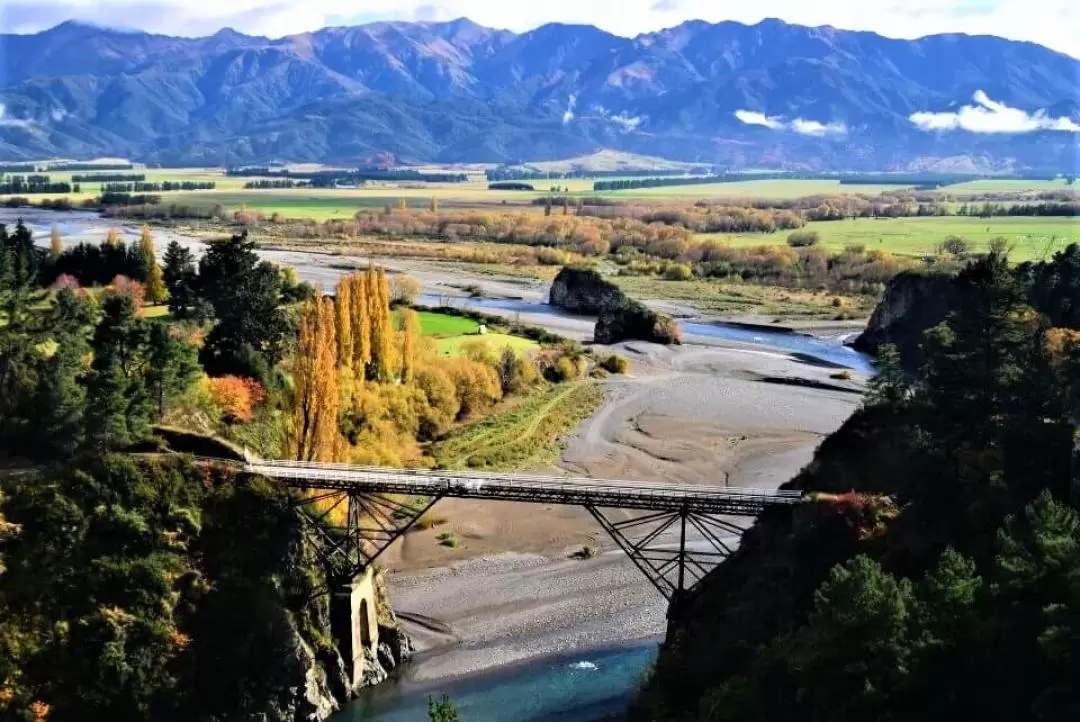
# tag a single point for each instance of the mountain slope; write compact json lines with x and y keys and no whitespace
{"x":826,"y":98}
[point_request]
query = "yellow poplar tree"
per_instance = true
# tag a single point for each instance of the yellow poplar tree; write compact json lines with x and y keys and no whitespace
{"x":410,"y":334}
{"x":434,"y":205}
{"x":56,"y":245}
{"x":361,"y":324}
{"x":113,"y":238}
{"x":344,"y":307}
{"x":315,"y":385}
{"x":402,"y":204}
{"x":155,"y":286}
{"x":155,"y":279}
{"x":382,"y":331}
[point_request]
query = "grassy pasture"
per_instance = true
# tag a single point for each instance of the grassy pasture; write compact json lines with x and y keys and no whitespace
{"x":441,"y":325}
{"x":752,"y":189}
{"x":1031,"y":238}
{"x":452,"y":332}
{"x":451,"y":346}
{"x":1009,"y":185}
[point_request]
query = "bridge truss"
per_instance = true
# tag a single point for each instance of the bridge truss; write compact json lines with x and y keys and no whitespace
{"x":674,"y":533}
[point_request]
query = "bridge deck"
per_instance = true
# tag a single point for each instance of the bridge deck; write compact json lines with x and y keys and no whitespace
{"x":536,"y":489}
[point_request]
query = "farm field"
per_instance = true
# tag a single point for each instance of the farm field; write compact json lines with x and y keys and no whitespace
{"x":1031,"y":238}
{"x":752,"y":189}
{"x":1010,"y":184}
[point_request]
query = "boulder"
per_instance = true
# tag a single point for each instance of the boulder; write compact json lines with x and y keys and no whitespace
{"x":582,"y":290}
{"x":632,"y":320}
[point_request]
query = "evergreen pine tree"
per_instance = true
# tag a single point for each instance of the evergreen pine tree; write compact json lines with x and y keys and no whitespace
{"x":180,"y":278}
{"x":118,"y":406}
{"x":173,"y":365}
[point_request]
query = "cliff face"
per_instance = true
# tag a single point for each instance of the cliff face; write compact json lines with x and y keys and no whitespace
{"x":584,"y":291}
{"x":912,"y":304}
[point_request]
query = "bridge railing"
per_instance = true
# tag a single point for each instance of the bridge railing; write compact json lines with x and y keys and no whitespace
{"x":487,"y":484}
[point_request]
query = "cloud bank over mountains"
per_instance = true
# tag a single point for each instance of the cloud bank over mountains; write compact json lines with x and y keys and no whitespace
{"x":801,"y":126}
{"x":990,"y":116}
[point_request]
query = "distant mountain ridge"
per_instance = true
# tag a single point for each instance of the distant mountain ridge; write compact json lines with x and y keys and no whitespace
{"x":806,"y":98}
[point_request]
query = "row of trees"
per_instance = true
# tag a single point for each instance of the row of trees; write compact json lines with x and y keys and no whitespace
{"x":33,"y":184}
{"x":108,"y":178}
{"x":158,"y":186}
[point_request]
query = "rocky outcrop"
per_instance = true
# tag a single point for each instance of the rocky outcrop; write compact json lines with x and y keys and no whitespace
{"x":913,"y":303}
{"x":583,"y":290}
{"x":619,"y":318}
{"x":629,"y":319}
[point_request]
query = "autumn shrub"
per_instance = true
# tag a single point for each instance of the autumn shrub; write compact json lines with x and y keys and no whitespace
{"x":124,"y":286}
{"x":615,"y":364}
{"x":443,"y":404}
{"x":404,"y":290}
{"x":476,"y":383}
{"x":678,"y":272}
{"x":65,"y":280}
{"x":236,"y":396}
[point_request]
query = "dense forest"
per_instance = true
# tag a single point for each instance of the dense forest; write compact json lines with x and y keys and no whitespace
{"x":937,"y":576}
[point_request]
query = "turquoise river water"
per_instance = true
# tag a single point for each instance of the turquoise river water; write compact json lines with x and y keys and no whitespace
{"x":584,"y":686}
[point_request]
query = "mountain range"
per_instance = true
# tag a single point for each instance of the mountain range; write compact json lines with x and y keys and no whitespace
{"x":770,"y":95}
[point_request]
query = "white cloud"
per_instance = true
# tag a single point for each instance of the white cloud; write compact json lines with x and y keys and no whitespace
{"x":628,"y":122}
{"x":990,"y":116}
{"x":8,"y":122}
{"x":751,"y":117}
{"x":1049,"y":22}
{"x":799,"y":125}
{"x":569,"y":114}
{"x":812,"y":127}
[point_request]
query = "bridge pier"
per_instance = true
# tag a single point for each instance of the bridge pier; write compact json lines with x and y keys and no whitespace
{"x":354,"y":624}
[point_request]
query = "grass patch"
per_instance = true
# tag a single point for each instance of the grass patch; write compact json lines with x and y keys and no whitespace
{"x":448,"y":539}
{"x":523,"y":434}
{"x":496,"y":341}
{"x":844,"y":375}
{"x":442,"y":325}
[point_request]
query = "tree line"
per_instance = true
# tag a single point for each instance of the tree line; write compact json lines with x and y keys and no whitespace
{"x":275,"y":184}
{"x":16,"y":184}
{"x":158,"y":186}
{"x":108,"y":178}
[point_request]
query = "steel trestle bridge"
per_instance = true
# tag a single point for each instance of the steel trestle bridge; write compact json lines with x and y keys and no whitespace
{"x":680,"y":534}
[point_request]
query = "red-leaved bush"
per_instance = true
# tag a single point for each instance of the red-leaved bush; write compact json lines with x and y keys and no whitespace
{"x":237,"y":396}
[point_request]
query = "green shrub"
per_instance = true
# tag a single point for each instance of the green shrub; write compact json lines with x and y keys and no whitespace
{"x":615,"y":364}
{"x":844,"y":375}
{"x":803,"y":239}
{"x":448,"y":539}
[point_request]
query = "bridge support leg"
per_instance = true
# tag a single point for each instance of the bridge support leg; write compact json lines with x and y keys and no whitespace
{"x":675,"y":550}
{"x":354,"y":625}
{"x":350,"y":530}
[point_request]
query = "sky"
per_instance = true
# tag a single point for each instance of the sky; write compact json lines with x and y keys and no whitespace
{"x":1054,"y":23}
